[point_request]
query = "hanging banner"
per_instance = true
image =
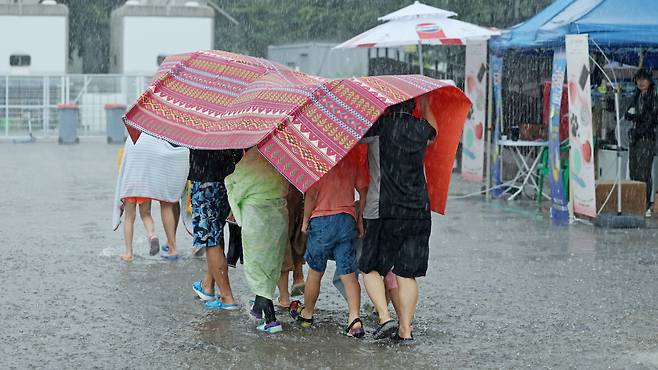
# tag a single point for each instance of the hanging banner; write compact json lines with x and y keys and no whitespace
{"x":559,"y":209}
{"x":476,"y":89}
{"x":581,"y":154}
{"x":497,"y":77}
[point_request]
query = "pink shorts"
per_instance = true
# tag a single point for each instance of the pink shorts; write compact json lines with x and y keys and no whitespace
{"x":390,"y":281}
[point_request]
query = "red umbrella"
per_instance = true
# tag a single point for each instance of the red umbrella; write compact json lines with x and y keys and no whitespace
{"x":302,"y":124}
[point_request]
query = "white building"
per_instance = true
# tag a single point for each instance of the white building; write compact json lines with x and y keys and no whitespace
{"x":33,"y":37}
{"x":145,"y":32}
{"x":319,"y":59}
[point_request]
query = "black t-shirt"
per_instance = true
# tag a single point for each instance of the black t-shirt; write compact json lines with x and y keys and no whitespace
{"x":646,"y":115}
{"x":212,"y":165}
{"x":403,"y":140}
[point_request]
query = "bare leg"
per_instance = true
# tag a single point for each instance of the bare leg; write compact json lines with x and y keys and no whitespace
{"x":353,"y":293}
{"x":311,"y":292}
{"x":284,"y":293}
{"x":297,"y":274}
{"x":147,"y":220}
{"x":408,"y":292}
{"x":130,"y":210}
{"x":393,"y":296}
{"x":377,"y":292}
{"x":208,"y":283}
{"x":218,"y":269}
{"x":176,"y":214}
{"x":169,"y":223}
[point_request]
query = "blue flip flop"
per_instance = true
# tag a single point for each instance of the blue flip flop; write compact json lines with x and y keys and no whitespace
{"x":205,"y":296}
{"x":219,"y":305}
{"x":169,"y":257}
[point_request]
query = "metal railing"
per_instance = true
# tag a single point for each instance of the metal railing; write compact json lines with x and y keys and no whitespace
{"x":28,"y":104}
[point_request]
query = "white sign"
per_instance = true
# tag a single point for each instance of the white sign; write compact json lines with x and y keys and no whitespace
{"x":475,"y":81}
{"x":581,"y":154}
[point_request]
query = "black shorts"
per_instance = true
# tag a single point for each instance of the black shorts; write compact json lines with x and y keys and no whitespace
{"x":398,"y":244}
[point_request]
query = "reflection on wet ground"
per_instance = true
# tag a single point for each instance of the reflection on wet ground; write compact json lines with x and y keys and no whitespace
{"x":505,"y":288}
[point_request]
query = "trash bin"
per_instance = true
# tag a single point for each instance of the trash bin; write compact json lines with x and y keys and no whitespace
{"x":116,"y":130}
{"x":69,"y":120}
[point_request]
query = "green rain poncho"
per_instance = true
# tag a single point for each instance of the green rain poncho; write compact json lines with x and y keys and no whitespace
{"x":257,"y":196}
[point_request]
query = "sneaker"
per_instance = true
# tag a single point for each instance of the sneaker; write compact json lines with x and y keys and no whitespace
{"x":295,"y":311}
{"x":198,"y":289}
{"x":648,"y":213}
{"x":385,"y":330}
{"x":255,"y":314}
{"x":295,"y":308}
{"x":271,"y":328}
{"x":219,"y":305}
{"x":304,"y":322}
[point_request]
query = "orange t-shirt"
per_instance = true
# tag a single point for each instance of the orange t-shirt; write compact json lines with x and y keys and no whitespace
{"x":336,"y":189}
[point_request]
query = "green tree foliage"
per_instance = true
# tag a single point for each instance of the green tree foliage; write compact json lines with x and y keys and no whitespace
{"x":273,"y":22}
{"x":89,"y":32}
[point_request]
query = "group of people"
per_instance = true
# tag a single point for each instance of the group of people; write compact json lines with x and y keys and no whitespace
{"x":643,"y":113}
{"x":383,"y":234}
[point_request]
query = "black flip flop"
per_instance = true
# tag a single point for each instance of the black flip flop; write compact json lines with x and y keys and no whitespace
{"x":358,"y":333}
{"x":402,"y":341}
{"x":385,"y":330}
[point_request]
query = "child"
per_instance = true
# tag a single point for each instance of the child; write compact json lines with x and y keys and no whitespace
{"x":150,"y":169}
{"x":257,"y":196}
{"x":295,"y":248}
{"x":208,"y":169}
{"x":130,"y":207}
{"x":331,"y":225}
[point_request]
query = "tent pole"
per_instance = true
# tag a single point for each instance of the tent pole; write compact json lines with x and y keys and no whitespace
{"x":618,"y":134}
{"x":488,"y":131}
{"x":420,"y":57}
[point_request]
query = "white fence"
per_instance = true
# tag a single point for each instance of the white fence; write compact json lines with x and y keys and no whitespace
{"x":29,"y":103}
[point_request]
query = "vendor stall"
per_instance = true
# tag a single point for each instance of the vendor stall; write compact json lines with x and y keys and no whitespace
{"x":621,"y":36}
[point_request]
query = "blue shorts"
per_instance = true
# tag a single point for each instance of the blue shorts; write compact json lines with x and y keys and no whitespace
{"x":209,"y":211}
{"x":331,"y":237}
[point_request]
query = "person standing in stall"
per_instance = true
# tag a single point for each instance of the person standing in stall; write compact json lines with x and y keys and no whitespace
{"x":643,"y":112}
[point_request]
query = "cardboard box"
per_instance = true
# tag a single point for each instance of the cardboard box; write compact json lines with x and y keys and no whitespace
{"x":633,"y":197}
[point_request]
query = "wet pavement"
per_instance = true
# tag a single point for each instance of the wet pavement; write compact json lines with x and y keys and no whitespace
{"x":505,"y":289}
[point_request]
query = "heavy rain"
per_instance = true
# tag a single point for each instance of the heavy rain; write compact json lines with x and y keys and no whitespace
{"x":328,"y":184}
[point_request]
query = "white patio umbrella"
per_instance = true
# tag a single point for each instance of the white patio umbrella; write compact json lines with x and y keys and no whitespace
{"x":427,"y":26}
{"x":417,"y":9}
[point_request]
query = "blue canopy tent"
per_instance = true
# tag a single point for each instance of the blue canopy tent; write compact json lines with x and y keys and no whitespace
{"x":523,"y":34}
{"x":611,"y":24}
